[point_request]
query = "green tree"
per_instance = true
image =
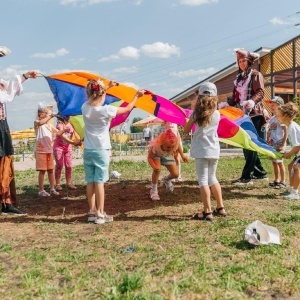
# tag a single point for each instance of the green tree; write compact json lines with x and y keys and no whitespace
{"x":135,"y":129}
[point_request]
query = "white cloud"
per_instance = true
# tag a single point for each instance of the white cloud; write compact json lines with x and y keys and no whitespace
{"x":159,"y":49}
{"x":278,"y":21}
{"x":62,"y":52}
{"x":129,"y":52}
{"x":126,"y":70}
{"x":126,"y":52}
{"x":192,"y":73}
{"x":197,"y":2}
{"x":59,"y":52}
{"x":138,"y":2}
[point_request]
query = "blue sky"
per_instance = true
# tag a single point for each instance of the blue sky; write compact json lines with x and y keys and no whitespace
{"x":162,"y":45}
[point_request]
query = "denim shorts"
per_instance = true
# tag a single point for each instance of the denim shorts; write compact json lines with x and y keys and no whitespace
{"x":167,"y":160}
{"x":96,"y":164}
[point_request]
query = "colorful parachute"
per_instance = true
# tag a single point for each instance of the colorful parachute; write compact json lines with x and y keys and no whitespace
{"x":69,"y":92}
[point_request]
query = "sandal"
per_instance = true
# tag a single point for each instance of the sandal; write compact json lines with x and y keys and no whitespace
{"x":71,"y":187}
{"x":217,"y":213}
{"x":274,"y":183}
{"x":204,"y":216}
{"x":58,"y":187}
{"x":280,"y":185}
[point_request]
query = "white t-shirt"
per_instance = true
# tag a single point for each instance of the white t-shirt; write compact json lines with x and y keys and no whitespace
{"x":44,"y":138}
{"x":205,"y":142}
{"x":146,"y":132}
{"x":294,"y":135}
{"x":96,"y":125}
{"x":276,"y":130}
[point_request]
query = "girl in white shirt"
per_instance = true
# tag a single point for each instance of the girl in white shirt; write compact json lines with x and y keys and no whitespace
{"x":205,"y":148}
{"x":97,"y":145}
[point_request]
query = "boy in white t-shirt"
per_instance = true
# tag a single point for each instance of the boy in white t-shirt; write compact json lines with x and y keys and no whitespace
{"x":285,"y":115}
{"x":277,"y":137}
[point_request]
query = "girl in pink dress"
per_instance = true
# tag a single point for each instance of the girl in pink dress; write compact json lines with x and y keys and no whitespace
{"x":62,"y":150}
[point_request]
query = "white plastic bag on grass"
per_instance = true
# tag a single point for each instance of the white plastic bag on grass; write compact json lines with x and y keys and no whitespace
{"x":258,"y":233}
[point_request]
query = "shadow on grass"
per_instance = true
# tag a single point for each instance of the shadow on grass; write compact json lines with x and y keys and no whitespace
{"x":120,"y":198}
{"x":242,"y":245}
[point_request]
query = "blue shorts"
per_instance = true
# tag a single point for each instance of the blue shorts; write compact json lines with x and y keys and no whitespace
{"x":166,"y":160}
{"x":96,"y":164}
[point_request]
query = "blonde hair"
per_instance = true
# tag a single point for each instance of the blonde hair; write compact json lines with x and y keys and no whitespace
{"x":205,"y":107}
{"x":95,"y":89}
{"x":167,"y":137}
{"x":289,"y":110}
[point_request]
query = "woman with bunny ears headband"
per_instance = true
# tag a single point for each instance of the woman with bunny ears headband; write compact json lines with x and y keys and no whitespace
{"x":248,"y":93}
{"x":8,"y":90}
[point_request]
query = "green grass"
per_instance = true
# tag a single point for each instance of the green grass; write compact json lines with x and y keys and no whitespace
{"x":50,"y":256}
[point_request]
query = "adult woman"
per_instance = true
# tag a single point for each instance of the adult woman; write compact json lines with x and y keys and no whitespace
{"x":248,"y":94}
{"x":8,"y":90}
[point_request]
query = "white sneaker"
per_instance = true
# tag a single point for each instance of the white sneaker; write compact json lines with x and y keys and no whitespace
{"x":91,"y":216}
{"x":291,"y":196}
{"x":167,"y":182}
{"x":179,"y":179}
{"x":154,"y":195}
{"x":108,"y":218}
{"x":103,"y":218}
{"x":43,"y":193}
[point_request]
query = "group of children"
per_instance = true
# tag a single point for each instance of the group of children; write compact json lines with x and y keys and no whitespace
{"x":163,"y":150}
{"x":61,"y":149}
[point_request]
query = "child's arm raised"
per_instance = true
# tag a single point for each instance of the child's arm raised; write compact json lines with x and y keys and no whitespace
{"x":188,"y":125}
{"x":40,"y":122}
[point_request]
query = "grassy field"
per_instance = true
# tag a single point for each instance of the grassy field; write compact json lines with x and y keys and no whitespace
{"x":53,"y":253}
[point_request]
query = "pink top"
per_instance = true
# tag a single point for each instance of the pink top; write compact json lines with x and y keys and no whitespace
{"x":59,"y":143}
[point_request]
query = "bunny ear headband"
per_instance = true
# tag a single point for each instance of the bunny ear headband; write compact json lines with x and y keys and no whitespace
{"x":4,"y":51}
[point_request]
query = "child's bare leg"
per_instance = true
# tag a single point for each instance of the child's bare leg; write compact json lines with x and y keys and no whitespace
{"x":173,"y":171}
{"x":276,"y":171}
{"x":51,"y":179}
{"x":290,"y":173}
{"x":99,"y":194}
{"x":217,"y":192}
{"x":281,"y":171}
{"x":90,"y":194}
{"x":205,"y":197}
{"x":41,"y":180}
{"x":156,"y":173}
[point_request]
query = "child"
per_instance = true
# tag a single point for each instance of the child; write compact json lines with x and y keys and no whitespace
{"x":97,"y":117}
{"x":161,"y":152}
{"x":285,"y":115}
{"x":276,"y":137}
{"x":174,"y":128}
{"x":62,"y":150}
{"x":44,"y":152}
{"x":205,"y":148}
